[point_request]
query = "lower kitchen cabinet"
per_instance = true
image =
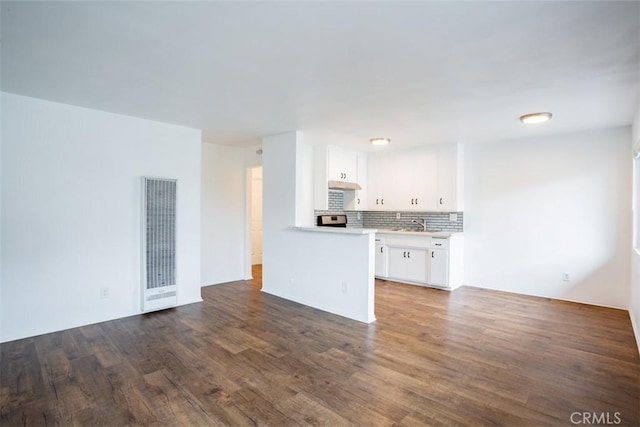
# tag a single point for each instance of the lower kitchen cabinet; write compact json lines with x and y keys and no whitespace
{"x":420,"y":259}
{"x":381,"y":259}
{"x":408,"y":264}
{"x":438,"y":267}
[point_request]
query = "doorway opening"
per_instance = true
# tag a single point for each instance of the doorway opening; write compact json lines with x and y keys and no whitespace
{"x":255,"y":223}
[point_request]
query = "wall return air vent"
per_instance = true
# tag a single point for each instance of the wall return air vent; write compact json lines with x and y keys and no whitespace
{"x":159,"y":290}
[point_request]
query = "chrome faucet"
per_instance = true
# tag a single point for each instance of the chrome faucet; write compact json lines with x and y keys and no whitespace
{"x":422,"y":224}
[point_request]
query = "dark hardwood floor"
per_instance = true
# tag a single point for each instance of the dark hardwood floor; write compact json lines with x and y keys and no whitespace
{"x":470,"y":357}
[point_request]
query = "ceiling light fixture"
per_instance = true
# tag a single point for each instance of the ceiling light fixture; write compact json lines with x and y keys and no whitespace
{"x":379,"y":141}
{"x":535,"y":118}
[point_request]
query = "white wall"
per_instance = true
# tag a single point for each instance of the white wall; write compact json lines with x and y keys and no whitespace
{"x":223,"y":214}
{"x":256,"y":215}
{"x":539,"y":207}
{"x":634,"y":308}
{"x":1,"y":119}
{"x":308,"y":267}
{"x":71,"y":203}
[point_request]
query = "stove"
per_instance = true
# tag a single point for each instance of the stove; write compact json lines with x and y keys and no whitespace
{"x":331,"y":221}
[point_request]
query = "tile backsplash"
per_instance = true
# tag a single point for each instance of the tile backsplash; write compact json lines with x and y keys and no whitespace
{"x":437,"y":221}
{"x":336,"y":203}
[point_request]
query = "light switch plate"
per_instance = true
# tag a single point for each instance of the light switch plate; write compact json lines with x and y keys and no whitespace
{"x":453,"y":217}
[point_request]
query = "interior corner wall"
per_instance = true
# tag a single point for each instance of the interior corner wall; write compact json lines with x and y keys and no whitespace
{"x":71,"y":212}
{"x":540,"y":207}
{"x":634,"y":309}
{"x":1,"y":119}
{"x":223,"y":213}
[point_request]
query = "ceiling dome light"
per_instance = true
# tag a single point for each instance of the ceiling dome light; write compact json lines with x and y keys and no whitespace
{"x":534,"y":118}
{"x":379,"y":141}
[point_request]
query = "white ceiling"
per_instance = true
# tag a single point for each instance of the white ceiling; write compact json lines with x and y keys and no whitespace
{"x":417,"y":72}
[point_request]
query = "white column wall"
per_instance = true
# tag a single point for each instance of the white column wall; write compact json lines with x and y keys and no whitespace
{"x":331,"y":272}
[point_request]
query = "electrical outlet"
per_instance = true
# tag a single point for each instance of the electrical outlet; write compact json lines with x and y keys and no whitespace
{"x":104,"y":293}
{"x":565,"y":277}
{"x":397,"y":215}
{"x":344,"y":287}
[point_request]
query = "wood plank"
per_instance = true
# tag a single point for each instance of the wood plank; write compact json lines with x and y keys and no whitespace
{"x":242,"y":357}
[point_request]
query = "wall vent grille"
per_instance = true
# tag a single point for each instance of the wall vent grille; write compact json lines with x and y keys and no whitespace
{"x":158,"y":244}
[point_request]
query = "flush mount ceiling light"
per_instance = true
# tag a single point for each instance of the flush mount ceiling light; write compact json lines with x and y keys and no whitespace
{"x":534,"y":118}
{"x":379,"y":141}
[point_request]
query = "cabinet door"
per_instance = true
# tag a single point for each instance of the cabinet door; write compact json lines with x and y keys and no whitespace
{"x":380,"y":182}
{"x":381,"y":261}
{"x":439,"y":267}
{"x":357,"y":200}
{"x":342,"y":164}
{"x":449,"y":194}
{"x":416,"y":177}
{"x":407,"y":264}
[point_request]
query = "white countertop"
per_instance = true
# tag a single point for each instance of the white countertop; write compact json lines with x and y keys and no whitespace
{"x":354,"y":230}
{"x":419,"y":233}
{"x":338,"y":230}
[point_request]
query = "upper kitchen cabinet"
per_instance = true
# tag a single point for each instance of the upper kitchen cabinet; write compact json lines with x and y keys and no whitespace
{"x":450,"y":191}
{"x":428,"y":178}
{"x":343,"y":164}
{"x":380,"y":182}
{"x":416,"y":174}
{"x":357,"y":200}
{"x":341,"y":169}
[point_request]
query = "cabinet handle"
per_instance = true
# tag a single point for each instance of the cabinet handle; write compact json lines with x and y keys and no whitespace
{"x":404,"y":254}
{"x":416,"y":201}
{"x":440,"y":200}
{"x":411,"y":201}
{"x":376,"y":201}
{"x":432,"y":253}
{"x":358,"y":201}
{"x":381,"y":249}
{"x":438,"y":244}
{"x":382,"y":201}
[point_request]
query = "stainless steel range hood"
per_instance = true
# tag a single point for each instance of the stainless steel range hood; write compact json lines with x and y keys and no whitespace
{"x":342,"y":185}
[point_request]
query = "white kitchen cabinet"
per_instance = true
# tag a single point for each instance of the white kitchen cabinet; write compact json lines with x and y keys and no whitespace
{"x":381,"y":259}
{"x":429,"y":178}
{"x":380,"y":182}
{"x":416,"y":175}
{"x":439,"y":267}
{"x":357,"y":200}
{"x":343,"y":164}
{"x":408,"y":264}
{"x":423,"y":259}
{"x":332,"y":163}
{"x":450,"y":189}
